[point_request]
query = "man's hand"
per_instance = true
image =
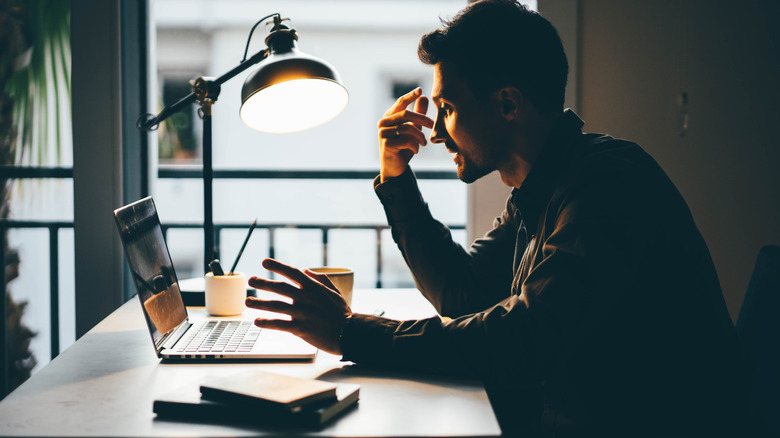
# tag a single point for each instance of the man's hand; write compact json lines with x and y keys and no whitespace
{"x":400,"y":133}
{"x":317,"y":311}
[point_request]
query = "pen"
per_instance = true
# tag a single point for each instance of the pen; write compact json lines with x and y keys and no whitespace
{"x":251,"y":228}
{"x":216,"y":268}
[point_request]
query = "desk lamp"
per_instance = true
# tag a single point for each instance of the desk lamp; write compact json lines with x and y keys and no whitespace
{"x":290,"y":91}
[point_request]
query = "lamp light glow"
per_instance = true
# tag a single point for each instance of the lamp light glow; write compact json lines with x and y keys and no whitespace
{"x":294,"y":105}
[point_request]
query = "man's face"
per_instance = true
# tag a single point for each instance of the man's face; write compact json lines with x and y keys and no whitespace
{"x":468,"y":127}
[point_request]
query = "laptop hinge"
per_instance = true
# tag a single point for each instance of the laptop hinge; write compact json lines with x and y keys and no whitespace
{"x":169,"y":340}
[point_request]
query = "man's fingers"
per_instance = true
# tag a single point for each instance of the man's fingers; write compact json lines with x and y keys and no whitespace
{"x":399,"y":146}
{"x":288,"y":271}
{"x":279,"y":287}
{"x":276,"y":324}
{"x":404,"y":116}
{"x":421,"y":107}
{"x":270,"y":306}
{"x":404,"y":101}
{"x":398,"y":137}
{"x":322,"y":278}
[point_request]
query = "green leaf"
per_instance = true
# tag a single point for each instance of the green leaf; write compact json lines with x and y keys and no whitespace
{"x":42,"y":88}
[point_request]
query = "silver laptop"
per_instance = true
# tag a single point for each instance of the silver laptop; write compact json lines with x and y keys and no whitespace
{"x":175,"y":337}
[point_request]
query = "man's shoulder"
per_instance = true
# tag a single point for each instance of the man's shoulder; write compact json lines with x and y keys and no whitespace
{"x":601,"y":153}
{"x":606,"y":169}
{"x":603,"y":145}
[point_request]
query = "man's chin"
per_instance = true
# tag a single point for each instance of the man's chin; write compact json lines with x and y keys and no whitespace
{"x":470,"y":174}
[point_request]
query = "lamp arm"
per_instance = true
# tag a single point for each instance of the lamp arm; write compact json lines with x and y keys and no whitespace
{"x":256,"y":58}
{"x":151,"y":122}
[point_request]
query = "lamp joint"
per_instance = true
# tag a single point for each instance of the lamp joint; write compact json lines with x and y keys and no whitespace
{"x":277,"y":23}
{"x":205,"y":88}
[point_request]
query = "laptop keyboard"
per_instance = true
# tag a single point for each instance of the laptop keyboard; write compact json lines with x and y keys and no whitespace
{"x":220,"y":337}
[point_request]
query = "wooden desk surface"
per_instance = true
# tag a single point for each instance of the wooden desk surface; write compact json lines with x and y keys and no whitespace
{"x":105,"y":383}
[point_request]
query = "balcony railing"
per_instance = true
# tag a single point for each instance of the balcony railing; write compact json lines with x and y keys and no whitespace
{"x":324,"y":228}
{"x":54,"y":276}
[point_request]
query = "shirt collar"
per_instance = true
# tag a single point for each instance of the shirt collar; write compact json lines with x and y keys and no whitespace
{"x":532,"y":196}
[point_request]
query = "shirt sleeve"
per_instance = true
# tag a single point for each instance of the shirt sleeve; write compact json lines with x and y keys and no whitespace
{"x":583,"y":272}
{"x":455,"y":280}
{"x":464,"y":346}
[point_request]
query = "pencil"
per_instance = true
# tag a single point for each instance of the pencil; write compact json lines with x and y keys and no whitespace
{"x":251,"y":228}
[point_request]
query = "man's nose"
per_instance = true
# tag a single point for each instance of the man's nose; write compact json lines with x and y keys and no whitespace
{"x":438,"y":133}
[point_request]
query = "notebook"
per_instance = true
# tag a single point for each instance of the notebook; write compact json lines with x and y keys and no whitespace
{"x":185,"y":404}
{"x":174,"y":336}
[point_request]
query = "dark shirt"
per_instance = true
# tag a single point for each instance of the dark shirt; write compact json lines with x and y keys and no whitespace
{"x":592,"y":306}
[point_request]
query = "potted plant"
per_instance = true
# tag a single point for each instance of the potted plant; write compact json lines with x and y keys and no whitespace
{"x":34,"y":81}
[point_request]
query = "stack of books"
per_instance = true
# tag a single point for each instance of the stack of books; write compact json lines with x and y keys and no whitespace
{"x":260,"y":398}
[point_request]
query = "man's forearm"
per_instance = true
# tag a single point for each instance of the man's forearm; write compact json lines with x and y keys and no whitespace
{"x":456,"y":281}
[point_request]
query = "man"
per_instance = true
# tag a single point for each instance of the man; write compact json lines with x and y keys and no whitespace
{"x":592,"y":308}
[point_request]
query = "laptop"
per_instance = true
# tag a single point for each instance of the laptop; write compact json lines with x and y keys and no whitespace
{"x":174,"y":336}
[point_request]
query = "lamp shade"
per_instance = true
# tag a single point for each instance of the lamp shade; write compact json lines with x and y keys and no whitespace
{"x":291,"y":91}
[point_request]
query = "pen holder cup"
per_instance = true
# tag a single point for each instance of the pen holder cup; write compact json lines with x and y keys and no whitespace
{"x":225,"y":294}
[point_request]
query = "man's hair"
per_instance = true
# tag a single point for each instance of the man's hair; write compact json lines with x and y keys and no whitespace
{"x":497,"y":43}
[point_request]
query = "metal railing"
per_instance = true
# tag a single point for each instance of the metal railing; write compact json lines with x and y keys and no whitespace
{"x":196,"y":172}
{"x":53,"y":228}
{"x":324,"y":228}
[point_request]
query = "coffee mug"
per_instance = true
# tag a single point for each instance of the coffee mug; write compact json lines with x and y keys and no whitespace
{"x":225,"y":294}
{"x":342,"y":278}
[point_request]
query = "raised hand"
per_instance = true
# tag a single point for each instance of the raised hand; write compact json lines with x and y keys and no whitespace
{"x":317,"y":312}
{"x":400,"y":133}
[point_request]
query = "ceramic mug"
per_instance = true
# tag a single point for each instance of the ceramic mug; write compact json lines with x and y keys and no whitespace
{"x":342,"y":278}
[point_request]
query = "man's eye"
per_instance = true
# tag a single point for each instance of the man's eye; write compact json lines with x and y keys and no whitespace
{"x":446,"y":109}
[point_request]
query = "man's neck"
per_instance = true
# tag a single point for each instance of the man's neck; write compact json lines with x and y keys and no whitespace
{"x":521,"y":159}
{"x":515,"y":170}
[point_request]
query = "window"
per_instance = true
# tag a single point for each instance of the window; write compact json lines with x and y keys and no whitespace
{"x":178,"y":135}
{"x":312,"y":190}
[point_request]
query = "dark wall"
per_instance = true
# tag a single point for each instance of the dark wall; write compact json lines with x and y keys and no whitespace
{"x":635,"y":60}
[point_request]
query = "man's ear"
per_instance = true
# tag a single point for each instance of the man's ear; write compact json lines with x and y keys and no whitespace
{"x":512,"y":102}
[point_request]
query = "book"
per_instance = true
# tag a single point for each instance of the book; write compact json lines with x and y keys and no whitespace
{"x":186,"y":404}
{"x":268,"y":390}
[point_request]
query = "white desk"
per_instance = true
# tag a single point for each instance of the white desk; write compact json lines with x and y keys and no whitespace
{"x":105,"y":383}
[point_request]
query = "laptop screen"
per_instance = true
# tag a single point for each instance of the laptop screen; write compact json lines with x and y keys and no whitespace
{"x":151,"y":268}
